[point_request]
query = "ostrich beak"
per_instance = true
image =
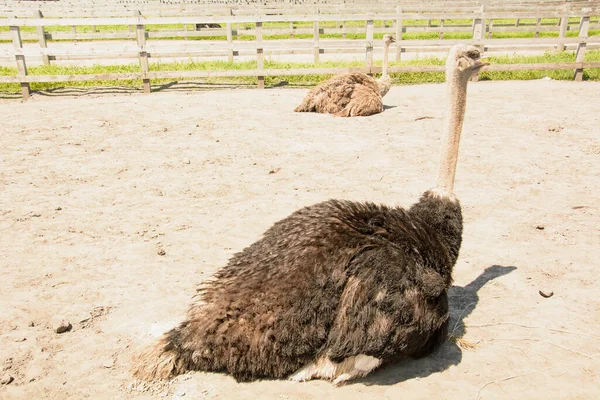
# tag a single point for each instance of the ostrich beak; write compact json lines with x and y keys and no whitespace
{"x":481,"y":63}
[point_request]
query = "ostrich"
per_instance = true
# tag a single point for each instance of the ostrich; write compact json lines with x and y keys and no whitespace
{"x":350,"y":95}
{"x":334,"y":290}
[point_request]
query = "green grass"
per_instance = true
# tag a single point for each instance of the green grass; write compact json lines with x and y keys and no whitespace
{"x":299,"y":80}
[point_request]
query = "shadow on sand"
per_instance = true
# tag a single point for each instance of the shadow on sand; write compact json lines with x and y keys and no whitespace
{"x":463,"y":301}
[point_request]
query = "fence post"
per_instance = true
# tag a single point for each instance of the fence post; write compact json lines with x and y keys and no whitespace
{"x":20,"y":58}
{"x":260,"y":56}
{"x":344,"y":30}
{"x":537,"y":27}
{"x":398,"y":33}
{"x":141,"y":41}
{"x":369,"y":46}
{"x":42,"y":37}
{"x":316,"y":49}
{"x":441,"y":27}
{"x":564,"y":24}
{"x":584,"y":26}
{"x":490,"y":27}
{"x":291,"y":29}
{"x":479,"y":35}
{"x":229,"y":39}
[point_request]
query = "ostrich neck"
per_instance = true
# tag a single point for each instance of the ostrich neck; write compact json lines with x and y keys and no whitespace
{"x":384,"y":67}
{"x":455,"y":112}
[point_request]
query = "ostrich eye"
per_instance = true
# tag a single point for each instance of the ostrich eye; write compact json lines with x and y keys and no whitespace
{"x":474,"y":54}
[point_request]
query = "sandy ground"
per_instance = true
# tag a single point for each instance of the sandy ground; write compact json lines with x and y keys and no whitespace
{"x":94,"y":187}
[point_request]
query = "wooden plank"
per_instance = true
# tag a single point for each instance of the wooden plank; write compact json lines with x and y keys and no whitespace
{"x":41,"y":36}
{"x":123,"y":34}
{"x":398,"y":33}
{"x":369,"y":44}
{"x":316,"y":34}
{"x":564,"y":22}
{"x":281,"y":72}
{"x":584,"y":26}
{"x":143,"y":55}
{"x":266,"y":18}
{"x":260,"y":57}
{"x":91,"y":36}
{"x":73,"y":78}
{"x":479,"y":36}
{"x":441,"y":30}
{"x":229,"y":39}
{"x":21,"y":64}
{"x":292,"y":45}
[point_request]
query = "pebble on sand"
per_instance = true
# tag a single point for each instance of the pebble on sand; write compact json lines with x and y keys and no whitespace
{"x":6,"y":379}
{"x":60,"y":324}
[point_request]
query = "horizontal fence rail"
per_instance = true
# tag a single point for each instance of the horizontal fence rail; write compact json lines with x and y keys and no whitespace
{"x":479,"y":23}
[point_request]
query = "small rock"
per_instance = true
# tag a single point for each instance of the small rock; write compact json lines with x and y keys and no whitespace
{"x":33,"y":373}
{"x":60,"y":324}
{"x":58,"y":208}
{"x":84,"y":317}
{"x":540,"y":227}
{"x":20,"y":339}
{"x":186,"y":161}
{"x":546,"y":294}
{"x":6,"y":379}
{"x":160,"y":251}
{"x":108,"y":363}
{"x":274,"y":171}
{"x":31,"y":324}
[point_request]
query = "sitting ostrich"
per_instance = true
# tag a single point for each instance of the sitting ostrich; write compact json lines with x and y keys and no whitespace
{"x":351,"y":95}
{"x":334,"y":290}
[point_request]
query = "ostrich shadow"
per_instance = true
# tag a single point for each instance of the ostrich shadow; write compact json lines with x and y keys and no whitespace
{"x":462,"y":302}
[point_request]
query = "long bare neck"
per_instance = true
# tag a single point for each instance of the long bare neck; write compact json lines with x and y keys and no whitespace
{"x":384,"y":66}
{"x":455,"y":113}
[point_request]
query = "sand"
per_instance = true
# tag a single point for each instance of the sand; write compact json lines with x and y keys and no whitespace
{"x":114,"y":207}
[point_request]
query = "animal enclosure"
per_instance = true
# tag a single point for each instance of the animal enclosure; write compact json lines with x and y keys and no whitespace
{"x":95,"y":187}
{"x":260,"y":32}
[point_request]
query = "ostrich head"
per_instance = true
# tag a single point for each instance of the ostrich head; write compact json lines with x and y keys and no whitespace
{"x":388,"y":39}
{"x":462,"y":63}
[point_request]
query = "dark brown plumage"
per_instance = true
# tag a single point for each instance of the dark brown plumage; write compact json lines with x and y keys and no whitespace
{"x":337,"y":277}
{"x":332,"y":291}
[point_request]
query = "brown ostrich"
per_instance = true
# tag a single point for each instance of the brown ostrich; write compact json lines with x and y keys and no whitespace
{"x":350,"y":95}
{"x":334,"y":290}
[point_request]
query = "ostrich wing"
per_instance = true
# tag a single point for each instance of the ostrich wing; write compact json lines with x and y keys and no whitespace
{"x":391,"y":307}
{"x":364,"y":101}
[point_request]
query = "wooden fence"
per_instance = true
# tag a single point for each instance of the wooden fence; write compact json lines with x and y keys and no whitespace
{"x":481,"y":31}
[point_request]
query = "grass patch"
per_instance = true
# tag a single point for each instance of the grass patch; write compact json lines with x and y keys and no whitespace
{"x":300,"y":80}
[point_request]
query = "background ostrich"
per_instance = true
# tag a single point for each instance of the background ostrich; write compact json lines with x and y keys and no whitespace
{"x":350,"y":95}
{"x":335,"y":289}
